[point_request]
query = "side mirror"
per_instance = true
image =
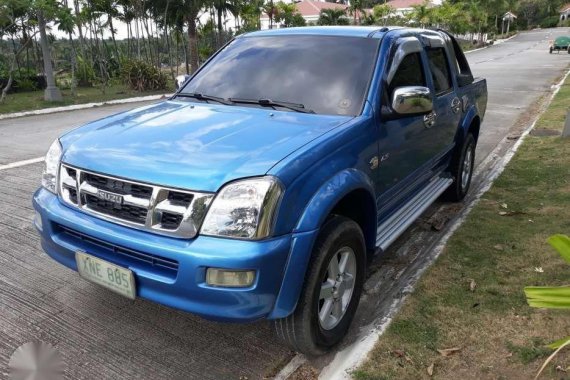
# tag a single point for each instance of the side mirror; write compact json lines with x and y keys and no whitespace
{"x":412,"y":100}
{"x":180,"y":80}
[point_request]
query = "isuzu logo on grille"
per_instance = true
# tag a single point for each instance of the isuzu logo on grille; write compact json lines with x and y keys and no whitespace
{"x":107,"y":196}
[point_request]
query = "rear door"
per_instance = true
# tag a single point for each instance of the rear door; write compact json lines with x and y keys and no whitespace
{"x":446,"y":104}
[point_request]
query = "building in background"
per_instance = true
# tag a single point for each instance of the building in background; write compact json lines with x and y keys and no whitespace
{"x":565,"y":12}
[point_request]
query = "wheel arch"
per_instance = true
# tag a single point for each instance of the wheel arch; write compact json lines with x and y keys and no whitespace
{"x":347,"y":189}
{"x":471,"y":124}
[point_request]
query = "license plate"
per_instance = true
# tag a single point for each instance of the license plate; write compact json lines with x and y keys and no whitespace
{"x":111,"y":276}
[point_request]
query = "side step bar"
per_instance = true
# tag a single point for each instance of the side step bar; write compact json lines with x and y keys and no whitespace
{"x":397,"y":223}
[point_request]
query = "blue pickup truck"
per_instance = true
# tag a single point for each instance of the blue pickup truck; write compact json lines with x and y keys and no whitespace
{"x":263,"y":186}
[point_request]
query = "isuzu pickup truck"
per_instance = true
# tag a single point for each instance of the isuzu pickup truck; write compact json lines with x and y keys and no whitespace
{"x":263,"y":186}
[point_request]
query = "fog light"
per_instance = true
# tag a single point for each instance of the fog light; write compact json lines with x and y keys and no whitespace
{"x":230,"y":278}
{"x":38,"y":221}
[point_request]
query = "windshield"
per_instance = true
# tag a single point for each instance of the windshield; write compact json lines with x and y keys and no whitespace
{"x":325,"y":74}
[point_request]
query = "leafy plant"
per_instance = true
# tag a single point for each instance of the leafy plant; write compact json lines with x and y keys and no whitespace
{"x":552,"y":297}
{"x":142,"y":76}
{"x":85,"y":73}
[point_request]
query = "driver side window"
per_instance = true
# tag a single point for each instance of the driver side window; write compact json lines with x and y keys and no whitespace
{"x":409,"y":73}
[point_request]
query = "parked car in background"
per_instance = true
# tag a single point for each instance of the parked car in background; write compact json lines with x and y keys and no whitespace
{"x":264,"y":186}
{"x":560,"y":44}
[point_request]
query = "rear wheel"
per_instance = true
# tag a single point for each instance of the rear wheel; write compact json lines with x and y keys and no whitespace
{"x":331,"y":292}
{"x":461,"y":169}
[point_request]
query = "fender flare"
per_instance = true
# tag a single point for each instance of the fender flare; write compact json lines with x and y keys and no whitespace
{"x":306,"y":232}
{"x":470,"y":115}
{"x":329,"y":194}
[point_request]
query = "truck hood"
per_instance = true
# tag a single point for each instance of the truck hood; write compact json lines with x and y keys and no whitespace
{"x":189,"y":145}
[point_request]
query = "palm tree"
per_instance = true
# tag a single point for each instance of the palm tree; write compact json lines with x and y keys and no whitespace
{"x":382,"y":12}
{"x":422,"y":14}
{"x":332,"y":16}
{"x":222,"y":9}
{"x":355,"y":9}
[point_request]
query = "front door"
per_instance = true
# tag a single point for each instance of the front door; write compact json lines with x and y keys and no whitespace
{"x":402,"y":138}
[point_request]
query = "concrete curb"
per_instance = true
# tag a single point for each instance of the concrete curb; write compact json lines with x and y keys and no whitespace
{"x":497,"y":42}
{"x":354,"y":355}
{"x":45,"y":111}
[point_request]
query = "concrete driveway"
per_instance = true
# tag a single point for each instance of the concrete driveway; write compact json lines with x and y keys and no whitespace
{"x":102,"y":335}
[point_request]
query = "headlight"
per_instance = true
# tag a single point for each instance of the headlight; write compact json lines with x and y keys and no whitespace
{"x":49,"y":176}
{"x":244,"y":209}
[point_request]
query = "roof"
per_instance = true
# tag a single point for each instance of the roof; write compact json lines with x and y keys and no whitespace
{"x":565,"y":8}
{"x":346,"y":31}
{"x":402,"y":4}
{"x":314,"y":8}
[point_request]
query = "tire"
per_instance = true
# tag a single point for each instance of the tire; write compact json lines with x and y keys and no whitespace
{"x":462,"y":173}
{"x":303,"y":330}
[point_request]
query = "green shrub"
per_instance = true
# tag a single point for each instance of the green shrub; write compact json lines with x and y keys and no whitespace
{"x":549,"y":22}
{"x":25,"y":84}
{"x":142,"y":76}
{"x":85,"y":74}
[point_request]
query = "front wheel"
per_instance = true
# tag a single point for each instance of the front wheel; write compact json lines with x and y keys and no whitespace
{"x":461,"y":169}
{"x":331,"y":291}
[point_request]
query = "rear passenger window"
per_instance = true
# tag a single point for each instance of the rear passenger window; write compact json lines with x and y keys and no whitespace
{"x":439,"y":70}
{"x":409,"y":73}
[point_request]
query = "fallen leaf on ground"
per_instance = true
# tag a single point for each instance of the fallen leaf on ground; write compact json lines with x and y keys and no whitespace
{"x":509,"y":355}
{"x":398,"y":353}
{"x":430,"y":369}
{"x":511,"y":213}
{"x":472,"y":285}
{"x":538,"y":269}
{"x":499,"y":247}
{"x":438,"y":225}
{"x":449,"y":351}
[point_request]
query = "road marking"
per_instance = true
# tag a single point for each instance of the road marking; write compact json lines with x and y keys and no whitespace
{"x":17,"y":164}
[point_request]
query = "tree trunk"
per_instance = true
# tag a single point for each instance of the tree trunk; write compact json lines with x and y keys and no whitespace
{"x":220,"y":25}
{"x":51,"y":92}
{"x":114,"y":42}
{"x":73,"y":65}
{"x":13,"y":67}
{"x":79,"y":25}
{"x":193,"y":43}
{"x":167,"y":37}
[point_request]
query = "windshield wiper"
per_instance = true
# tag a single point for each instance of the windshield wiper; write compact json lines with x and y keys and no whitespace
{"x":199,"y":96}
{"x":273,"y":103}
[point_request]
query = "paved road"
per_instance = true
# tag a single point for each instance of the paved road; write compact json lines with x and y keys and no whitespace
{"x":103,"y":335}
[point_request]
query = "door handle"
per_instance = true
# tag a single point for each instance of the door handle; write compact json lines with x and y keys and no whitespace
{"x":429,"y":119}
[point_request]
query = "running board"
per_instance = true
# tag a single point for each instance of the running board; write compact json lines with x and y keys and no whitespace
{"x":396,"y":224}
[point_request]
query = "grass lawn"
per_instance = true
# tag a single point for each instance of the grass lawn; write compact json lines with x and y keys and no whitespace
{"x":27,"y":101}
{"x":471,"y":300}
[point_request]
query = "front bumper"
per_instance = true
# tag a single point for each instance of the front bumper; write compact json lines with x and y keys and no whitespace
{"x":168,"y":270}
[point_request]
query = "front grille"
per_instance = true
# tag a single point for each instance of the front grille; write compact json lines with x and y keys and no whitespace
{"x":142,"y":258}
{"x":166,"y":211}
{"x":121,"y":211}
